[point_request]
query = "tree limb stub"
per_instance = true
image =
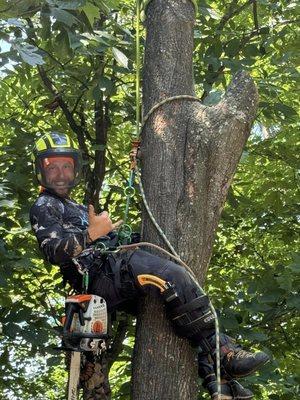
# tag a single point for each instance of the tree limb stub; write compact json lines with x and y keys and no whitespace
{"x":219,"y":133}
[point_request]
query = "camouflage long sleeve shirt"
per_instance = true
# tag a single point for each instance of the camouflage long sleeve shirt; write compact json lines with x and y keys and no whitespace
{"x":60,"y":225}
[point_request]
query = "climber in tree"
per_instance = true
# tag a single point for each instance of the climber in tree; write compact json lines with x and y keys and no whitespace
{"x":65,"y":228}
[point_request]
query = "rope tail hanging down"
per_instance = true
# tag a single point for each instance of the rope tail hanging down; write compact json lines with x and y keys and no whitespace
{"x":134,"y":171}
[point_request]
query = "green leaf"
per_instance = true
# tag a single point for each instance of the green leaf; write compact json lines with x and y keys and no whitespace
{"x":101,"y":147}
{"x":91,"y":11}
{"x":12,"y":329}
{"x":52,"y":361}
{"x":67,"y":5}
{"x":64,"y":16}
{"x":232,"y":47}
{"x":108,"y":5}
{"x":256,"y":307}
{"x":285,"y":109}
{"x":285,"y":282}
{"x":251,"y":51}
{"x":215,"y":49}
{"x":270,"y":297}
{"x":7,"y":203}
{"x":229,"y":321}
{"x":29,"y":335}
{"x":74,"y":40}
{"x":106,"y":85}
{"x":295,"y":266}
{"x":29,"y":54}
{"x":62,"y":41}
{"x":209,"y":12}
{"x":264,"y":30}
{"x":120,"y":57}
{"x":256,"y":336}
{"x":293,"y":302}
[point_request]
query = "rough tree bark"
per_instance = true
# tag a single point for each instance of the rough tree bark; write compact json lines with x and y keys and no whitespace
{"x":189,"y":155}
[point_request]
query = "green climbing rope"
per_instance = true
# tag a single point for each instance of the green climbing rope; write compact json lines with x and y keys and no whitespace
{"x":129,"y":191}
{"x":85,"y":282}
{"x":138,"y":69}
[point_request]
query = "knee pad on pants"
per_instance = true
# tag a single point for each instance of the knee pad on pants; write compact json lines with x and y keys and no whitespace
{"x":194,"y":319}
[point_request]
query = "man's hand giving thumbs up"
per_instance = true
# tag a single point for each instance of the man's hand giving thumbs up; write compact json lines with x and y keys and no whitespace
{"x":100,"y":224}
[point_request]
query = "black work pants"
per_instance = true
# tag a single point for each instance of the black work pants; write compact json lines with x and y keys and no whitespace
{"x":112,"y":280}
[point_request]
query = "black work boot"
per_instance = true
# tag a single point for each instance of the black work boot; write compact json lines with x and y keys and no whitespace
{"x":236,"y":362}
{"x":212,"y":388}
{"x":230,"y":390}
{"x":238,"y":391}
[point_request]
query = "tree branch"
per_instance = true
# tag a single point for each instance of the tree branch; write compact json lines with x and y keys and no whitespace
{"x":84,"y":126}
{"x":241,"y":96}
{"x":76,"y":128}
{"x":227,"y":126}
{"x":231,"y":13}
{"x":76,"y":104}
{"x":255,"y":17}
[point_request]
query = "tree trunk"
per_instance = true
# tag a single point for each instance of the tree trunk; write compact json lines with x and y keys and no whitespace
{"x":189,"y":155}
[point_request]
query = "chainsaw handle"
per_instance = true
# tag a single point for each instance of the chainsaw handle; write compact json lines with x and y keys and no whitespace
{"x":71,"y":309}
{"x":80,"y":316}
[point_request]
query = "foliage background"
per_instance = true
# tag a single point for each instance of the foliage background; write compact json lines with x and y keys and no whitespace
{"x":86,"y":49}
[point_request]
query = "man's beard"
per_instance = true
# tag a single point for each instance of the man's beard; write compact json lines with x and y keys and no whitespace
{"x":62,"y":189}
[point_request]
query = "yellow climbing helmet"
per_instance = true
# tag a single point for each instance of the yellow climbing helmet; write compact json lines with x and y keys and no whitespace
{"x":55,"y":144}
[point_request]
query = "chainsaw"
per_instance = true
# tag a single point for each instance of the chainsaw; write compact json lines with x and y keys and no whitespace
{"x":84,"y":329}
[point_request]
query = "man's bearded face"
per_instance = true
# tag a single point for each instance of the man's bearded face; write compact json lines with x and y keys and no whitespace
{"x":59,"y":173}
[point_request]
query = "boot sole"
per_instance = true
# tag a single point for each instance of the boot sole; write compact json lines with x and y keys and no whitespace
{"x":225,"y":397}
